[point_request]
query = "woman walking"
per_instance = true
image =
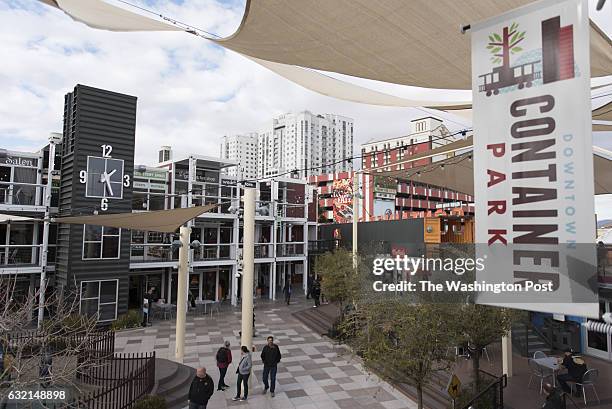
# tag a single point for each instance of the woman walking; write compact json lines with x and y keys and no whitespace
{"x":243,"y":371}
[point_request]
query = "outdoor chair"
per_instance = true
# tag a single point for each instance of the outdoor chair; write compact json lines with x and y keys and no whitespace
{"x":538,"y":372}
{"x":588,"y":379}
{"x":215,"y":307}
{"x":539,"y":354}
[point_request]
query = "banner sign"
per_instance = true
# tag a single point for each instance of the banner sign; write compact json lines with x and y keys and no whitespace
{"x":533,"y":159}
{"x":342,"y":199}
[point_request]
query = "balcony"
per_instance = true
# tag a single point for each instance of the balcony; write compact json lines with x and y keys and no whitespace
{"x":24,"y":258}
{"x":153,"y":253}
{"x":212,"y":252}
{"x":290,"y":249}
{"x":291,"y":210}
{"x":264,"y":250}
{"x":25,"y":196}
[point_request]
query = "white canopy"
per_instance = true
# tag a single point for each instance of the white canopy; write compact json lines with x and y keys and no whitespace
{"x":416,"y":42}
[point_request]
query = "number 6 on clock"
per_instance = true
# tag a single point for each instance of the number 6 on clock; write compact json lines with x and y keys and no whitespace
{"x":104,"y":204}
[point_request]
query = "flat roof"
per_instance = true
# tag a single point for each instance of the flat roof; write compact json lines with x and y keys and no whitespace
{"x":209,"y":162}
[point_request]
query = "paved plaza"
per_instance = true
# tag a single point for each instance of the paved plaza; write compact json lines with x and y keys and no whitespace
{"x":313,"y":374}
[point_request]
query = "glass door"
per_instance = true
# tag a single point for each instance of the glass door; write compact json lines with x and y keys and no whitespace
{"x":598,"y":343}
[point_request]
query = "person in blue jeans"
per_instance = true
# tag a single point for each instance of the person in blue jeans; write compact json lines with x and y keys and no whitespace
{"x":243,"y":371}
{"x":271,"y":356}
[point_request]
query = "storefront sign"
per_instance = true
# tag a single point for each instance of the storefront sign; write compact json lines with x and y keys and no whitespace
{"x":19,"y":161}
{"x":385,"y":184}
{"x":151,"y":174}
{"x":533,"y":163}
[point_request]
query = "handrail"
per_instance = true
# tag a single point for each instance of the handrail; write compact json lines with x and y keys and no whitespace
{"x":502,"y":381}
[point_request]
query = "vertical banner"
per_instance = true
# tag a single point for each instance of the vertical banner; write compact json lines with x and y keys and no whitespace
{"x":342,"y":196}
{"x":533,"y":159}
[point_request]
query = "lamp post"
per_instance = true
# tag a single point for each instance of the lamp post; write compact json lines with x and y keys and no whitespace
{"x":54,"y":139}
{"x":181,"y":292}
{"x":248,"y":258}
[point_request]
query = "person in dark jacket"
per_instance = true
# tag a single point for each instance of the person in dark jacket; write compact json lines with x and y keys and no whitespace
{"x":316,"y":292}
{"x":149,"y":298}
{"x":575,"y":370}
{"x":271,"y":356}
{"x":201,"y":389}
{"x":224,"y":359}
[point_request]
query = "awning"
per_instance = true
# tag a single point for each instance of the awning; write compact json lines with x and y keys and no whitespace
{"x":166,"y":221}
{"x":597,"y":326}
{"x":604,"y":112}
{"x":458,"y":171}
{"x":415,"y":42}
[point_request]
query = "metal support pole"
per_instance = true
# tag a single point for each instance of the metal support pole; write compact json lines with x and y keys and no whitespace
{"x":45,"y":239}
{"x":248,"y":257}
{"x":355,"y":215}
{"x":181,"y":293}
{"x":507,"y":354}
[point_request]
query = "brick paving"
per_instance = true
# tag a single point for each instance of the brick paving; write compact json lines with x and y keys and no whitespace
{"x":313,"y":374}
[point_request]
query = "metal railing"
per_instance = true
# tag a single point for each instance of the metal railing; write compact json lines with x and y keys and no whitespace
{"x":294,"y":210}
{"x":289,"y":249}
{"x":208,"y":252}
{"x":152,"y":253}
{"x":26,"y":194}
{"x":24,"y":255}
{"x":264,"y":250}
{"x":491,"y":397}
{"x":124,"y":389}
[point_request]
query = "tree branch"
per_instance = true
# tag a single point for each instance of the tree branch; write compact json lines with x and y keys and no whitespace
{"x":516,"y":42}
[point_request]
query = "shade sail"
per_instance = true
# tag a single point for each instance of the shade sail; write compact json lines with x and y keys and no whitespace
{"x":102,"y":15}
{"x":603,"y":113}
{"x":166,"y":221}
{"x":415,"y":42}
{"x":458,"y":172}
{"x":9,"y":218}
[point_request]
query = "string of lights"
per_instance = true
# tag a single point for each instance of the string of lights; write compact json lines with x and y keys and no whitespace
{"x":402,"y":147}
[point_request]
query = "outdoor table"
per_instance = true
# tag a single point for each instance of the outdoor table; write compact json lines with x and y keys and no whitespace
{"x":166,"y":308}
{"x":551,"y":363}
{"x":205,"y":303}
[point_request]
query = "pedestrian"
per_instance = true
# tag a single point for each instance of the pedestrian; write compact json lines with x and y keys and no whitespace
{"x":201,"y":389}
{"x":243,"y":371}
{"x":148,"y":300}
{"x":224,"y":359}
{"x":554,"y":398}
{"x":316,"y":292}
{"x":288,"y":293}
{"x":270,"y":356}
{"x":309,"y":287}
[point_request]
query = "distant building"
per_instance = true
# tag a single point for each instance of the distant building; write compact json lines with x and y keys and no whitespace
{"x":388,"y":154}
{"x":243,"y":150}
{"x":305,"y":140}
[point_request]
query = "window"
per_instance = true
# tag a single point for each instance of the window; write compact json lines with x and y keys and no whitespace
{"x":100,"y":298}
{"x":100,"y":242}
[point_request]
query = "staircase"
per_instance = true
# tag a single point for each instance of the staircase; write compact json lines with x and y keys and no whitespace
{"x":172,"y":381}
{"x":526,"y":341}
{"x":320,"y":319}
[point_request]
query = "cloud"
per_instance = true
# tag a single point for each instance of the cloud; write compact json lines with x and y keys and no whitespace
{"x":190,"y":91}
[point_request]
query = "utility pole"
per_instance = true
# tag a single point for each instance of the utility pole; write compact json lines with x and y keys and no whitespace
{"x":248,"y":257}
{"x":181,"y":292}
{"x":355,"y":215}
{"x":54,"y":139}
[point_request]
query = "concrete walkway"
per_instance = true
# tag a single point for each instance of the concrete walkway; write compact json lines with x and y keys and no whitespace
{"x":313,"y":373}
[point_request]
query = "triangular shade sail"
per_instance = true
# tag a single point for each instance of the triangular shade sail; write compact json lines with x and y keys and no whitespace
{"x":458,"y":171}
{"x":166,"y":221}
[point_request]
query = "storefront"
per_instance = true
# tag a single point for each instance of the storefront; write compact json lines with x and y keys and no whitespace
{"x":20,"y":179}
{"x":597,"y":342}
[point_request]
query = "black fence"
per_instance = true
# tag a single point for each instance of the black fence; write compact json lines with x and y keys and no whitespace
{"x":119,"y":380}
{"x":126,"y":379}
{"x":492,"y":397}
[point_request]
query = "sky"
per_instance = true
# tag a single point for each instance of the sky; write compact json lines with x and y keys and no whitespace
{"x":190,"y":91}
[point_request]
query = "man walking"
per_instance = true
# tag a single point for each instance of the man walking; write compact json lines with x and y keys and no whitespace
{"x":271,"y":356}
{"x":224,"y":359}
{"x":316,"y":292}
{"x":147,"y":305}
{"x":201,"y":389}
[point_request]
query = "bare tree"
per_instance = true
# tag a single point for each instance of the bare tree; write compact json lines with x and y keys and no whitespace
{"x":57,"y":356}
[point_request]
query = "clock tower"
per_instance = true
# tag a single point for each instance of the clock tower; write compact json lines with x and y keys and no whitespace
{"x":96,"y":177}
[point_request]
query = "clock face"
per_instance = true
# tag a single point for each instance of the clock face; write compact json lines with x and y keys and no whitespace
{"x":104,"y":177}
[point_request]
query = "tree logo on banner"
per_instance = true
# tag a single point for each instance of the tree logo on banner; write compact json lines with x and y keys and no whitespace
{"x":553,"y":62}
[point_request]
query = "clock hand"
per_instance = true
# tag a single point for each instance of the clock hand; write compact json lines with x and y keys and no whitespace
{"x":111,"y":174}
{"x":108,"y":185}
